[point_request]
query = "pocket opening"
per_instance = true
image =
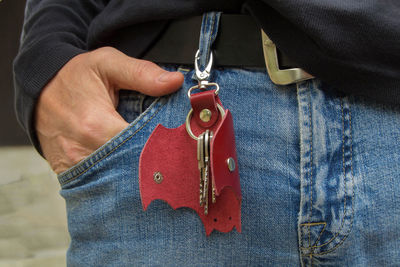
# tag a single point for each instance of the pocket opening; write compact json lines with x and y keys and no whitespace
{"x":113,"y":144}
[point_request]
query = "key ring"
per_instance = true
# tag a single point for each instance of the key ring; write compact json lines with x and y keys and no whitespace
{"x":189,"y":116}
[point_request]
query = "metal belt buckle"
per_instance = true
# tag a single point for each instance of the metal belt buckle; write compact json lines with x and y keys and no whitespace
{"x":278,"y":76}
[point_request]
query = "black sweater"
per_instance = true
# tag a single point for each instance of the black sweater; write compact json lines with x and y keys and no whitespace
{"x":353,"y":45}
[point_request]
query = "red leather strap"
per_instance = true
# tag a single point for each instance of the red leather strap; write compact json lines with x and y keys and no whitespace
{"x":201,"y":101}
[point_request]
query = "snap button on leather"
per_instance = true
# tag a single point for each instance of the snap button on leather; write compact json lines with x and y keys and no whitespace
{"x":231,"y":164}
{"x":158,"y":177}
{"x":205,"y":115}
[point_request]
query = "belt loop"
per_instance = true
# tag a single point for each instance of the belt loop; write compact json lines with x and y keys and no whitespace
{"x":208,"y":34}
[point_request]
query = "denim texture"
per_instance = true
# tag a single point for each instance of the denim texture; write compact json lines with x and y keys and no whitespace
{"x":320,"y":177}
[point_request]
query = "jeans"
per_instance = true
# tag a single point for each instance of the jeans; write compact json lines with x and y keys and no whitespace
{"x":319,"y":170}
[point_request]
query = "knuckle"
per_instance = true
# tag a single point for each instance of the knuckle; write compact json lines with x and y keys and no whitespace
{"x":89,"y":126}
{"x":106,"y":50}
{"x":101,"y":54}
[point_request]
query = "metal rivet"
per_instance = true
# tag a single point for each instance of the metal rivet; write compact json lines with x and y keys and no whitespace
{"x":231,"y":164}
{"x":158,"y":177}
{"x":205,"y":115}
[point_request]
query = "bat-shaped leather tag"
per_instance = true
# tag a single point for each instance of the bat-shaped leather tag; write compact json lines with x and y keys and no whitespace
{"x":169,"y":168}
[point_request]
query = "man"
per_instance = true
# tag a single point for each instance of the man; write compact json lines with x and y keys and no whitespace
{"x":310,"y":158}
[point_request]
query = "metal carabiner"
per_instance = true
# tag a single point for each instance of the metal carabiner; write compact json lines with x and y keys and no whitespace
{"x":202,"y":76}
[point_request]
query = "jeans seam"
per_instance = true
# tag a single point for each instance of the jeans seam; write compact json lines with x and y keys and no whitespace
{"x":344,"y":175}
{"x":346,"y":222}
{"x":310,"y":173}
{"x":299,"y":96}
{"x":115,"y":148}
{"x":211,"y":35}
{"x":353,"y":194}
{"x":346,"y":189}
{"x":207,"y":46}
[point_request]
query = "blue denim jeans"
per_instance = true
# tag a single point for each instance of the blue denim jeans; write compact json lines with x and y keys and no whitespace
{"x":320,"y":177}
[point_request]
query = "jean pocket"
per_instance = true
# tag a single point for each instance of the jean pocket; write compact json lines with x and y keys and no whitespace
{"x":75,"y":174}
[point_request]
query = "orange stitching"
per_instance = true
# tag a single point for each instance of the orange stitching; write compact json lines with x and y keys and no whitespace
{"x":302,"y":90}
{"x":344,"y":174}
{"x":353,"y":194}
{"x":320,"y":234}
{"x":345,"y":200}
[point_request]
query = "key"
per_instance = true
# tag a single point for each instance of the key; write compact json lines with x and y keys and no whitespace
{"x":213,"y":197}
{"x":206,"y":170}
{"x":207,"y":174}
{"x":200,"y":159}
{"x":203,"y":157}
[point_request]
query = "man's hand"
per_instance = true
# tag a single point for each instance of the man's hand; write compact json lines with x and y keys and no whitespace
{"x":76,"y":113}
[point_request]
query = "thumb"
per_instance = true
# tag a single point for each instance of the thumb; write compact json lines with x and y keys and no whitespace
{"x":122,"y":71}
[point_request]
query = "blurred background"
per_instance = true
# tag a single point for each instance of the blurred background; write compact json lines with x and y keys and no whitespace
{"x":33,"y":229}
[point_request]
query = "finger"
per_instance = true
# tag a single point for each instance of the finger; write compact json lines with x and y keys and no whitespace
{"x":94,"y":134}
{"x":122,"y":71}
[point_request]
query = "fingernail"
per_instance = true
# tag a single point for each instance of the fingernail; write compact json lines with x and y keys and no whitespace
{"x":165,"y":77}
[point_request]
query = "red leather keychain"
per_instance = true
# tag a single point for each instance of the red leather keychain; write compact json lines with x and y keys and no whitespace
{"x":195,"y":165}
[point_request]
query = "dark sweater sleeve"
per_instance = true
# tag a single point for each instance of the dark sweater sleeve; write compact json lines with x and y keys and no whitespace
{"x":54,"y":31}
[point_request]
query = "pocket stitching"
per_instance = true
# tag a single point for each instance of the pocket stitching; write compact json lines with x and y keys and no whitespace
{"x":113,"y":149}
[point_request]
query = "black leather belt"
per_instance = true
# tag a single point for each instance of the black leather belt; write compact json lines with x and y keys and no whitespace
{"x":238,"y":43}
